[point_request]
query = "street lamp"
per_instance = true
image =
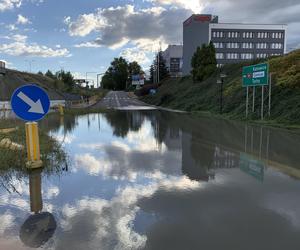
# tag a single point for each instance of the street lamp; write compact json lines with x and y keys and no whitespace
{"x":30,"y":64}
{"x":221,"y":82}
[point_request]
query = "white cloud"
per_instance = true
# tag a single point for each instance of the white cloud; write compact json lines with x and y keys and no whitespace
{"x":19,"y":38}
{"x":12,"y":27}
{"x":7,"y":221}
{"x":51,"y":192}
{"x":118,"y":26}
{"x":9,"y":4}
{"x":135,"y":54}
{"x":91,"y":44}
{"x":22,"y":20}
{"x":20,"y":47}
{"x":194,"y":5}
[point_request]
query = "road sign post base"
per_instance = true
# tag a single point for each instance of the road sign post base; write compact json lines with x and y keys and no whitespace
{"x":34,"y":164}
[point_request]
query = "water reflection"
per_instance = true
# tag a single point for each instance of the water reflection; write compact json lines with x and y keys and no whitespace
{"x":157,"y":180}
{"x":40,"y":226}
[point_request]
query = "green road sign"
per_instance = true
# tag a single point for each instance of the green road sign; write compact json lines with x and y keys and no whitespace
{"x":256,"y":75}
{"x":252,"y":166}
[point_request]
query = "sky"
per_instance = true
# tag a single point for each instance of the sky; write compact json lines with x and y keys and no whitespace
{"x":85,"y":35}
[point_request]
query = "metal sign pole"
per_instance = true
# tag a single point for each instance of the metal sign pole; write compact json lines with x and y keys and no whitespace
{"x":262,"y":102}
{"x":270,"y":94}
{"x":253,"y":101}
{"x":247,"y":101}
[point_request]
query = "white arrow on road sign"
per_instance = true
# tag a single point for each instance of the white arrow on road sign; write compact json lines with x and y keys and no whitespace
{"x":35,"y":107}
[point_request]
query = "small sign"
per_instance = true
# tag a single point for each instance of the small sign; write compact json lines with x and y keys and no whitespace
{"x":256,"y":75}
{"x":138,"y":80}
{"x":30,"y":103}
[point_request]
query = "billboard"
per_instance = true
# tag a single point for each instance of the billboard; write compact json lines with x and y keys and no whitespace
{"x":138,"y":79}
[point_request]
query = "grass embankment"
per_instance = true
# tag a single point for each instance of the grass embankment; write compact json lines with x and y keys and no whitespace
{"x":52,"y":154}
{"x":204,"y":97}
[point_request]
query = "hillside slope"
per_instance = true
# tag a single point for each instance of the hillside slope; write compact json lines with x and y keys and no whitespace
{"x":14,"y":79}
{"x":205,"y":96}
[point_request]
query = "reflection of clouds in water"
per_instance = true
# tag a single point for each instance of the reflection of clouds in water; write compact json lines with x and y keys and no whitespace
{"x":94,"y":223}
{"x":285,"y":204}
{"x":50,"y":192}
{"x":7,"y":221}
{"x":67,"y":139}
{"x":119,"y":162}
{"x":14,"y":201}
{"x":143,"y":140}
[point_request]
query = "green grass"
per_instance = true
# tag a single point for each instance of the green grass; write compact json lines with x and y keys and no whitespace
{"x":52,"y":154}
{"x":199,"y":97}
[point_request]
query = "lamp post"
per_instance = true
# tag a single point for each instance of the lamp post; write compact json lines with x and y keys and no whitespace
{"x":30,"y":62}
{"x":221,"y":82}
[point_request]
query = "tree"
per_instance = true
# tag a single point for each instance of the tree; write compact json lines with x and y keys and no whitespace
{"x":116,"y":75}
{"x":163,"y":69}
{"x":40,"y":73}
{"x":204,"y":62}
{"x":50,"y":74}
{"x":134,"y":69}
{"x":67,"y":78}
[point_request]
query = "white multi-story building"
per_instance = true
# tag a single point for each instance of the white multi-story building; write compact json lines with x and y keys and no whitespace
{"x":234,"y":42}
{"x":173,"y":58}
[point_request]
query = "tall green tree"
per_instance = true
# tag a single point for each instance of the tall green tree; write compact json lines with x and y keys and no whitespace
{"x":159,"y":62}
{"x":67,"y":78}
{"x":50,"y":74}
{"x":204,"y":62}
{"x":116,"y":75}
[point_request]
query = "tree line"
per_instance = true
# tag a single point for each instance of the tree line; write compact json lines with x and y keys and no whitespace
{"x":62,"y":80}
{"x":119,"y":74}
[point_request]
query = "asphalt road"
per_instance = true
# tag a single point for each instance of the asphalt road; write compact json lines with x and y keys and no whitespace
{"x":122,"y":101}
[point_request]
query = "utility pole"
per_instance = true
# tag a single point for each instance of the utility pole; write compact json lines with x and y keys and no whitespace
{"x":30,"y":64}
{"x":158,"y":67}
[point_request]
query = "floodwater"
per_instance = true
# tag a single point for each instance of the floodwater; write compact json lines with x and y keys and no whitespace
{"x":157,"y":180}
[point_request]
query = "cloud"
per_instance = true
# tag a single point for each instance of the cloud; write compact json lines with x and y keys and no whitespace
{"x":117,"y":26}
{"x":91,"y":44}
{"x":22,"y":20}
{"x":194,"y":5}
{"x":9,"y":4}
{"x":135,"y":54}
{"x":7,"y":220}
{"x":20,"y":47}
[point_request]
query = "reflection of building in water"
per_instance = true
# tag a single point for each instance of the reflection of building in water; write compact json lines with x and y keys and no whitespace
{"x":196,"y":168}
{"x":40,"y":226}
{"x":172,"y":138}
{"x":225,"y":159}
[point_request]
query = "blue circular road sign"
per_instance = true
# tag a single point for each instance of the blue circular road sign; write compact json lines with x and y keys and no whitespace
{"x":30,"y":103}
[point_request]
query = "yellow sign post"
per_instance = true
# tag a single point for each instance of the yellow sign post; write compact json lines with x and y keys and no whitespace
{"x":61,"y":109}
{"x":33,"y":145}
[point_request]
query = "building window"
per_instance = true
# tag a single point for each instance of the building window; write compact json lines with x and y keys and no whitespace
{"x":218,"y":34}
{"x":276,"y":45}
{"x":232,"y":34}
{"x":261,"y":55}
{"x":247,"y":45}
{"x":219,"y":45}
{"x":232,"y":46}
{"x":261,"y":46}
{"x":246,"y":56}
{"x":248,"y":34}
{"x":219,"y":56}
{"x":262,"y":35}
{"x":232,"y":56}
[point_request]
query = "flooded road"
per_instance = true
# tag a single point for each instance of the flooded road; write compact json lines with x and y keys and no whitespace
{"x":157,"y":180}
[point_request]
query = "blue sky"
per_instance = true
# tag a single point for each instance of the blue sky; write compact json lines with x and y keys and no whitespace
{"x":85,"y":35}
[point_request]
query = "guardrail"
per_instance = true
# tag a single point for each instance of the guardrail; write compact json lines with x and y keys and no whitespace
{"x":5,"y":105}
